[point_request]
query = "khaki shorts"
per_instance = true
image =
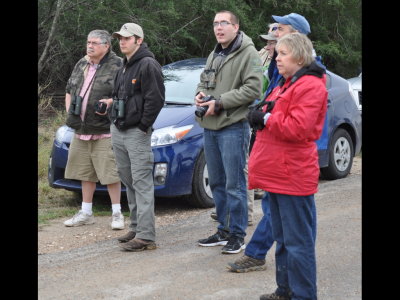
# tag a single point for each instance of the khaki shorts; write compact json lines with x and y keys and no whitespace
{"x":92,"y":161}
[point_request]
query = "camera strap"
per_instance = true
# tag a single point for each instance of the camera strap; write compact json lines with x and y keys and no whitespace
{"x":281,"y":82}
{"x":90,"y":83}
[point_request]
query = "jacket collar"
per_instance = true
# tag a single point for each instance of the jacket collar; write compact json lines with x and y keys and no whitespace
{"x":313,"y":69}
{"x":143,"y":51}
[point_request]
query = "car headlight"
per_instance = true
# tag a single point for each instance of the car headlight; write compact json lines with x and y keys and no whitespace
{"x":64,"y":134}
{"x":169,"y":135}
{"x":351,"y":92}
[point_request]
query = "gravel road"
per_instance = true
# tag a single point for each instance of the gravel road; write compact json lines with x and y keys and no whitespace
{"x":86,"y":263}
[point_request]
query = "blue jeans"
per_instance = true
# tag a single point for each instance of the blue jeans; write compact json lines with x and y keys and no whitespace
{"x":292,"y":226}
{"x":262,"y":238}
{"x":225,"y":152}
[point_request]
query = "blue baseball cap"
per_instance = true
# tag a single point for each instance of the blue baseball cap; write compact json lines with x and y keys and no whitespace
{"x":297,"y":21}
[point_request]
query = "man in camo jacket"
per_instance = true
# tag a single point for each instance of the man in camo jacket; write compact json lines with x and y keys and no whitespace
{"x":90,"y":157}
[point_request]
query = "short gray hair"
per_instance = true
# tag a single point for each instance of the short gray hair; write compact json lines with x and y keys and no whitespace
{"x":300,"y":47}
{"x":103,"y":35}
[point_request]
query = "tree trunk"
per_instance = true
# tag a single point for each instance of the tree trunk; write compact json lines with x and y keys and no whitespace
{"x":50,"y":37}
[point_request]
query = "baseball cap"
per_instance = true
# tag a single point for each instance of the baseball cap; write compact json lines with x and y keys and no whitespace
{"x":297,"y":21}
{"x":129,"y":29}
{"x":268,"y":37}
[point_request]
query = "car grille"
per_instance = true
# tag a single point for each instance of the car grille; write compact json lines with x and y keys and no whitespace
{"x":359,"y":97}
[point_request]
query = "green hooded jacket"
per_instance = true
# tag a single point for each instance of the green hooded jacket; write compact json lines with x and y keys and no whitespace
{"x":238,"y":82}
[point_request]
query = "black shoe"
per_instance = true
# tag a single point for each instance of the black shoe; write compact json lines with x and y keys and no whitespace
{"x":220,"y":238}
{"x":274,"y":296}
{"x":234,"y":245}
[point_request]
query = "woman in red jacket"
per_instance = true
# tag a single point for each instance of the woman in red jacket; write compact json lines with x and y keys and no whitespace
{"x":284,"y":162}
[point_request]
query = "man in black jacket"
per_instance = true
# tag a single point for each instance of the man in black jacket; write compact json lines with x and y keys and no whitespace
{"x":138,"y":97}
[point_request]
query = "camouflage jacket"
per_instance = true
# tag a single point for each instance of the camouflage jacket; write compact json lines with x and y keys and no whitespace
{"x":101,"y":88}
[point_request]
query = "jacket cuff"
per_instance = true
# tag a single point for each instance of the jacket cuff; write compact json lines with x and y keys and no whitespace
{"x":266,"y":117}
{"x":142,"y":127}
{"x":218,"y":106}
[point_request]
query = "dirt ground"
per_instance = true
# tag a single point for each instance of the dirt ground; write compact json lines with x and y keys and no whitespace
{"x":55,"y":237}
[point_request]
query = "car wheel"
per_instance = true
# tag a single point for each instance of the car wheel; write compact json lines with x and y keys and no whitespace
{"x":201,"y":195}
{"x":341,"y":152}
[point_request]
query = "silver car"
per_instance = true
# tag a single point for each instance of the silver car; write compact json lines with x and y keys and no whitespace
{"x":356,"y":90}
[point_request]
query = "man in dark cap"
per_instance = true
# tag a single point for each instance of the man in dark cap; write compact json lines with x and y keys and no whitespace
{"x":138,"y":95}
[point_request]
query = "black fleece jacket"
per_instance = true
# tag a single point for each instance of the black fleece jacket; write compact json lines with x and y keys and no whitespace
{"x":140,"y":84}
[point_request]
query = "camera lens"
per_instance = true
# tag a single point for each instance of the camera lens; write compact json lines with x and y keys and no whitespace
{"x":201,"y":111}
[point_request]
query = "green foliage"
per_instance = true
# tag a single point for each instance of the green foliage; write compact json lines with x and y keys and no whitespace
{"x":179,"y":29}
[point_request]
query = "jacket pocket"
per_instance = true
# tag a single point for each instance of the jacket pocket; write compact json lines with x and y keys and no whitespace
{"x":74,"y":121}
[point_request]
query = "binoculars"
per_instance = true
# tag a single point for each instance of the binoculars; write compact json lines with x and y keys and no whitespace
{"x":76,"y":105}
{"x":118,"y":109}
{"x":208,"y":77}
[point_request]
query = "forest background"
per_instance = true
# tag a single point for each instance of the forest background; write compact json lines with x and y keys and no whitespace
{"x":180,"y":29}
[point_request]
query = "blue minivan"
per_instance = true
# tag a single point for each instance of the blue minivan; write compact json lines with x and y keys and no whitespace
{"x":177,"y":140}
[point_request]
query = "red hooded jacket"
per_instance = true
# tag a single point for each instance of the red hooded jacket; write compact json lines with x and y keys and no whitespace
{"x":284,"y":158}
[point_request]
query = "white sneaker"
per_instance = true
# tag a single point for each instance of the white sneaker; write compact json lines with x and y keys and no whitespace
{"x":79,"y":219}
{"x":117,"y":221}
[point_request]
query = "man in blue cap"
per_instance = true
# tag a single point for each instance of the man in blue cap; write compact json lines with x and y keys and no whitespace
{"x":295,"y":21}
{"x":287,"y":24}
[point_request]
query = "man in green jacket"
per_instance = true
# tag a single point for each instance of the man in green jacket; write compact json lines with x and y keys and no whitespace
{"x":232,"y":78}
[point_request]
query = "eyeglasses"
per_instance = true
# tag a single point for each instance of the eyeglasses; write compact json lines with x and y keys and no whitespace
{"x":94,"y":43}
{"x":222,"y":23}
{"x":271,"y":43}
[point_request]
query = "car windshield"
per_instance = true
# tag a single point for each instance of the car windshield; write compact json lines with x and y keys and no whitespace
{"x":181,"y":84}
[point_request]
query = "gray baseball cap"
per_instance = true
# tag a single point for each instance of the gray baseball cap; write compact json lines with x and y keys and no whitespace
{"x":268,"y":37}
{"x":129,"y":29}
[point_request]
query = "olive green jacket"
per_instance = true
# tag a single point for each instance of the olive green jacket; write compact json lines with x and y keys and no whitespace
{"x":238,"y":82}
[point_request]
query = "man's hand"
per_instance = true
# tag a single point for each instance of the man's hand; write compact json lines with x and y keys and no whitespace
{"x":211,"y":107}
{"x":108,"y":102}
{"x":198,"y":98}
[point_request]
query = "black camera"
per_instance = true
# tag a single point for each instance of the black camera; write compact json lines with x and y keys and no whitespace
{"x":118,"y":109}
{"x":258,"y":106}
{"x":100,"y":107}
{"x":201,"y":110}
{"x":76,"y":105}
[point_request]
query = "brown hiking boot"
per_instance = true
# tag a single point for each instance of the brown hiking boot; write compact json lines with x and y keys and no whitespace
{"x":246,"y":264}
{"x":127,"y":237}
{"x":138,"y":245}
